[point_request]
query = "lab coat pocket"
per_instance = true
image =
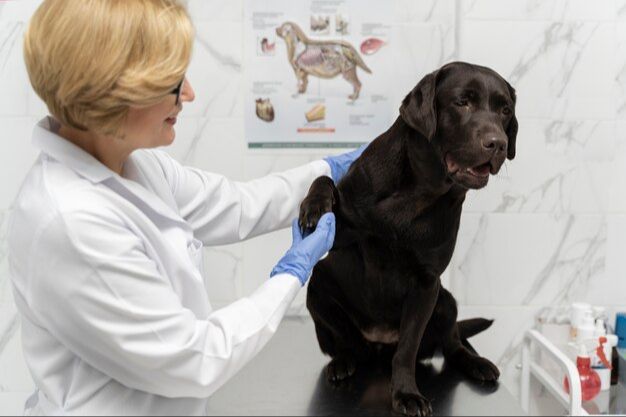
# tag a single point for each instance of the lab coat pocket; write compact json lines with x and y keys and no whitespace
{"x":195,"y":254}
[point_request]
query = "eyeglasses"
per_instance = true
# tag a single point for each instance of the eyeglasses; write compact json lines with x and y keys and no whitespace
{"x":178,"y":90}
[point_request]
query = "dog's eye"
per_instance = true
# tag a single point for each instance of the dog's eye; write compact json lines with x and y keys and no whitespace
{"x":462,"y":102}
{"x":506,"y":111}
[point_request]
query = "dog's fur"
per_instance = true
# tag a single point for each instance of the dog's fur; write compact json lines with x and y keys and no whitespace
{"x":324,"y":59}
{"x":398,"y":211}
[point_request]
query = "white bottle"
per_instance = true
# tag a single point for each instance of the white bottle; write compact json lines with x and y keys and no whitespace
{"x":599,"y":330}
{"x":586,"y":328}
{"x":577,"y":312}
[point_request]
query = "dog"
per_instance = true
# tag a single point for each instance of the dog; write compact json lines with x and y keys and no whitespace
{"x":398,"y":210}
{"x":323,"y":59}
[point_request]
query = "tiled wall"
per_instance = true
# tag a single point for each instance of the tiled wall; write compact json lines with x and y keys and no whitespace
{"x":550,"y":229}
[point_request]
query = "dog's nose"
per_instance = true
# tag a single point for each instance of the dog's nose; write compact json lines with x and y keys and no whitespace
{"x":494,"y":143}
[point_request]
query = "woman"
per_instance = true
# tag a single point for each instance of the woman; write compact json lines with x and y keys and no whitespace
{"x":106,"y":234}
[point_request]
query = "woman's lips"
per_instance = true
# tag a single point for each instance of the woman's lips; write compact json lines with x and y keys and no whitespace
{"x":171,"y":120}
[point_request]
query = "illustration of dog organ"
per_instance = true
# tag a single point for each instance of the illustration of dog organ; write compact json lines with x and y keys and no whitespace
{"x":318,"y":112}
{"x":265,"y":110}
{"x":267,"y":47}
{"x":371,"y":46}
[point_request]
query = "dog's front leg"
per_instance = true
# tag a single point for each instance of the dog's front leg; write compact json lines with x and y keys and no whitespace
{"x":321,"y":198}
{"x":416,"y":312}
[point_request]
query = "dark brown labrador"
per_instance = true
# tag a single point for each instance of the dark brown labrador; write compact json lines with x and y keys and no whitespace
{"x":398,"y":210}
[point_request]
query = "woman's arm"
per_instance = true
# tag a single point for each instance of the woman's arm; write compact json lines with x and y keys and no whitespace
{"x":104,"y":299}
{"x":222,"y":211}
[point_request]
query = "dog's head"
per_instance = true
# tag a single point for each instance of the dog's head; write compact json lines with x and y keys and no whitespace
{"x":289,"y":31}
{"x":468,"y":114}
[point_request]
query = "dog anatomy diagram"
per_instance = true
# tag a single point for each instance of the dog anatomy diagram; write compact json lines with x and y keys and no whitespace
{"x":324,"y":59}
{"x":322,"y":67}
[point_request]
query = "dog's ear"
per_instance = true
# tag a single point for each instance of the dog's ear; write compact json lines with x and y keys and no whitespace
{"x":511,"y":130}
{"x":419,"y":108}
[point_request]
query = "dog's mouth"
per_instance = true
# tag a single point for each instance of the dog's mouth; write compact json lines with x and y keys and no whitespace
{"x":475,"y":176}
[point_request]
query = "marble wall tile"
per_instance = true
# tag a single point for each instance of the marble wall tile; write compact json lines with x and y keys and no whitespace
{"x":557,"y":10}
{"x":13,"y":403}
{"x":215,"y":71}
{"x":535,"y":259}
{"x":561,"y":166}
{"x":14,"y":375}
{"x":223,"y":269}
{"x":550,"y":66}
{"x":424,"y":48}
{"x":13,"y":78}
{"x":620,"y":60}
{"x":212,"y":144}
{"x":5,"y":291}
{"x":409,"y":11}
{"x":18,"y":157}
{"x":216,"y":10}
{"x":617,"y":187}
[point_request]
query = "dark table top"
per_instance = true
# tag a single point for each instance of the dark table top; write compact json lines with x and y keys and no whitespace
{"x":287,"y":378}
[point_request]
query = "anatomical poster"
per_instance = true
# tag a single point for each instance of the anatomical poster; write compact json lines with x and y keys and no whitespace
{"x":317,"y":72}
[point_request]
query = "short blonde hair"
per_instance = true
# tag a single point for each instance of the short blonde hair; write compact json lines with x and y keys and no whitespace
{"x":91,"y":60}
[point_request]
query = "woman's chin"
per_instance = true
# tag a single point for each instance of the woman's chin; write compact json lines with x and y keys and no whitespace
{"x":168,"y":136}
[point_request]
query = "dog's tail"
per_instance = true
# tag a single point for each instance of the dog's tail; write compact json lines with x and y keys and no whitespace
{"x":471,"y":327}
{"x":353,"y":55}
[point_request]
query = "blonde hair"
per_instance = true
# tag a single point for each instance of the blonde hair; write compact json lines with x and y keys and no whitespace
{"x":91,"y":60}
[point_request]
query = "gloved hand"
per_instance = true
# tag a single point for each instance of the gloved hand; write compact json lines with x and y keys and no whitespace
{"x":340,"y":164}
{"x":306,"y":251}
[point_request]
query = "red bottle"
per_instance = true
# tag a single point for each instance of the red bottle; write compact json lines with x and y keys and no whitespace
{"x":589,"y":379}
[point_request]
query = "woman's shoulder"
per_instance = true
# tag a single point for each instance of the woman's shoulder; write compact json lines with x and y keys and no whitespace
{"x":51,"y":186}
{"x":50,"y":190}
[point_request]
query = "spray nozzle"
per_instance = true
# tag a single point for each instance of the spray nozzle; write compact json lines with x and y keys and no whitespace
{"x":600,"y":352}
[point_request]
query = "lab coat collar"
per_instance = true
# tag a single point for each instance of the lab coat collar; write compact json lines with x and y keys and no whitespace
{"x":70,"y":155}
{"x":75,"y":158}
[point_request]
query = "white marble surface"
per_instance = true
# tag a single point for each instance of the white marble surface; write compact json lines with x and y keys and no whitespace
{"x":550,"y":229}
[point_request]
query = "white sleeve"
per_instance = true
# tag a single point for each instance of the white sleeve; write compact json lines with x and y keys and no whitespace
{"x":221,"y":211}
{"x":103,"y":298}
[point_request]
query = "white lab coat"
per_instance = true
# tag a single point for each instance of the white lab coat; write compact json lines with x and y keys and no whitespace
{"x":107,"y":276}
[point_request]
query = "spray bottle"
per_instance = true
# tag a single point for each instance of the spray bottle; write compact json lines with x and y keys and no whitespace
{"x":589,"y":379}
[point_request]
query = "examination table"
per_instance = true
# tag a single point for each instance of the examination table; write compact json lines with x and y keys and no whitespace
{"x":287,"y":378}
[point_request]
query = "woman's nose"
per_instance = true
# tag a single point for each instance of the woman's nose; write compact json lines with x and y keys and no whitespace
{"x":187,"y":94}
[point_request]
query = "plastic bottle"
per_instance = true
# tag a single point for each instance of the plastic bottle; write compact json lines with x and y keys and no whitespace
{"x":586,"y":328}
{"x":589,"y":379}
{"x":601,"y":364}
{"x":577,"y":311}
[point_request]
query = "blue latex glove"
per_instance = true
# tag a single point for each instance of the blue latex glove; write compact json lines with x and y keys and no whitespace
{"x":340,"y":164}
{"x":306,"y":251}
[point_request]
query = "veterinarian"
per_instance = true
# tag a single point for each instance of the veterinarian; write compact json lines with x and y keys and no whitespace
{"x":106,"y":234}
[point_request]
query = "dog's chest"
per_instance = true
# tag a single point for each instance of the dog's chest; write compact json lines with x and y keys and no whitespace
{"x":381,"y":334}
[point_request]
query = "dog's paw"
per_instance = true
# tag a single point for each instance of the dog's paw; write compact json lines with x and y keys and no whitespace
{"x":478,"y":368}
{"x":411,"y":404}
{"x":340,"y":369}
{"x":312,"y":209}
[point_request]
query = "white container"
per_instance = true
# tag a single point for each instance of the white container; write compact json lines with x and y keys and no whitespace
{"x":599,"y":329}
{"x":577,"y":314}
{"x":586,"y":329}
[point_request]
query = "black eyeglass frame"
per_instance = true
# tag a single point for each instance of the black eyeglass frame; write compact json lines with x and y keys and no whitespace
{"x":178,"y":90}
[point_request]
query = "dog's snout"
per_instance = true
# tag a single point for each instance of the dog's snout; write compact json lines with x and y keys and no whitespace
{"x":494,"y":143}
